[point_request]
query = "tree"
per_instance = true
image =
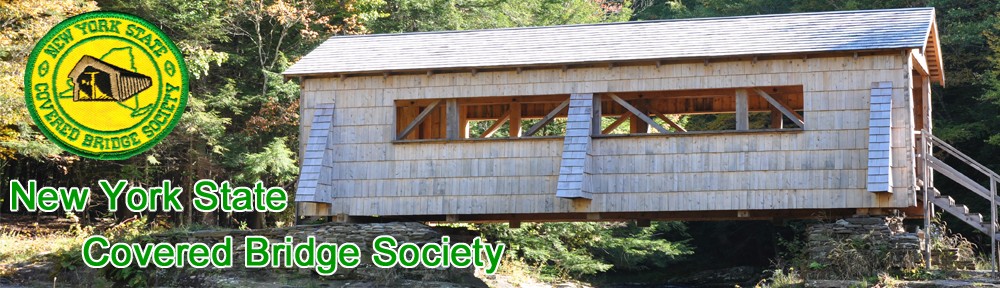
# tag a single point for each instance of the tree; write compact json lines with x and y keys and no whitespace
{"x":437,"y":15}
{"x":22,"y":23}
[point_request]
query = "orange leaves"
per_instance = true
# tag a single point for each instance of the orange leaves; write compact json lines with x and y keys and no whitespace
{"x":272,"y":115}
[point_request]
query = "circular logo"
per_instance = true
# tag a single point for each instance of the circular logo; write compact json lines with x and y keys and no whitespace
{"x":105,"y":85}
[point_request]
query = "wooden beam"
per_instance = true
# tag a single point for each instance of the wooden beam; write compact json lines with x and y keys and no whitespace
{"x":925,"y":89}
{"x":515,"y":119}
{"x":777,"y":122}
{"x":638,"y":113}
{"x":643,"y":223}
{"x":670,"y":122}
{"x":312,"y":208}
{"x":595,"y":120}
{"x":548,"y":118}
{"x":920,"y":62}
{"x":937,"y":52}
{"x":742,"y":111}
{"x":463,"y":121}
{"x":451,"y":118}
{"x":420,"y":118}
{"x":795,"y":117}
{"x":496,"y":125}
{"x":618,"y":122}
{"x":582,"y":215}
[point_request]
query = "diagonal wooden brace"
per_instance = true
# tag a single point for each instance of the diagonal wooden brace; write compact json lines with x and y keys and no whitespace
{"x":637,"y":113}
{"x":791,"y":114}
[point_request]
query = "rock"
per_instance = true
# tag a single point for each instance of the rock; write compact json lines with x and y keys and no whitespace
{"x":879,"y":234}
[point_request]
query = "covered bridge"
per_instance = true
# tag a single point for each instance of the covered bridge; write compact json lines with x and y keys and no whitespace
{"x":755,"y":117}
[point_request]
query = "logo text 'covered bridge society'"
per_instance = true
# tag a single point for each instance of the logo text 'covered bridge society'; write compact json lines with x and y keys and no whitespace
{"x":105,"y":85}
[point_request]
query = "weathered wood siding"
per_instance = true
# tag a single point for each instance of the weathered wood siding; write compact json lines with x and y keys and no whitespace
{"x":823,"y":166}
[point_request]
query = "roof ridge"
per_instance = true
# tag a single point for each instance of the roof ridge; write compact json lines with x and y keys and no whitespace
{"x":632,"y":22}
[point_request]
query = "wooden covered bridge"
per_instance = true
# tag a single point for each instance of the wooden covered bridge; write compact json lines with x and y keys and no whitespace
{"x":756,"y":117}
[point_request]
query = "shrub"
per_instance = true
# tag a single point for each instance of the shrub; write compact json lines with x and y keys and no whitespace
{"x":578,"y":249}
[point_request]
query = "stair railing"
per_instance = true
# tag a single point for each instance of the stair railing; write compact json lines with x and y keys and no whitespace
{"x":925,"y":147}
{"x":928,"y":142}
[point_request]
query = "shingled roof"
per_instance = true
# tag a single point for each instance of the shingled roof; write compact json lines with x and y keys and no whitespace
{"x":778,"y":34}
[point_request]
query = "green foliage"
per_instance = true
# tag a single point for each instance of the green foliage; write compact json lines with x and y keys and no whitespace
{"x":275,"y":161}
{"x":577,"y":249}
{"x":30,"y":143}
{"x":199,"y":60}
{"x":436,"y":15}
{"x":922,"y":274}
{"x":135,"y":231}
{"x":816,"y":266}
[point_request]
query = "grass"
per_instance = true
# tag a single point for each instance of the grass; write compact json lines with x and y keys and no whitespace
{"x":19,"y":248}
{"x":55,"y":242}
{"x":983,"y":262}
{"x":781,"y":278}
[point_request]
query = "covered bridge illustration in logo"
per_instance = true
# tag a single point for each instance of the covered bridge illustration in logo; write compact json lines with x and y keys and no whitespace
{"x":101,"y":81}
{"x":106,"y":85}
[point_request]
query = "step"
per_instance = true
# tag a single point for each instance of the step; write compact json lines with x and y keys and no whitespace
{"x":947,"y":204}
{"x":934,"y":193}
{"x":945,"y":199}
{"x":976,"y":217}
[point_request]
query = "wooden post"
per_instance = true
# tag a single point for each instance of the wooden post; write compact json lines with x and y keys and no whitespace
{"x":596,"y":120}
{"x":636,"y":124}
{"x":993,"y":224}
{"x":777,"y":122}
{"x":515,"y":119}
{"x":514,"y":224}
{"x":742,"y":111}
{"x":451,"y":117}
{"x":463,"y":121}
{"x":433,"y":126}
{"x":928,"y":212}
{"x":928,"y":122}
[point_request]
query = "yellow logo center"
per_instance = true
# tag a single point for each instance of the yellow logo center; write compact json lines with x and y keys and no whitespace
{"x":106,"y":85}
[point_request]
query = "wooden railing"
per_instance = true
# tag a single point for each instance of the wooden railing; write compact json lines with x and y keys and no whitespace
{"x":928,"y":164}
